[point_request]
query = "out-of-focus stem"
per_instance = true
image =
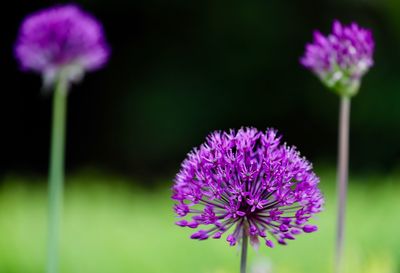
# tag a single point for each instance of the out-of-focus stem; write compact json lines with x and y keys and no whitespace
{"x":343,"y":167}
{"x":243,"y":258}
{"x":56,"y":175}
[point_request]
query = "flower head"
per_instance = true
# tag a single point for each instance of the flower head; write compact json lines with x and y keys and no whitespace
{"x":342,"y":58}
{"x":246,"y":183}
{"x":61,"y":41}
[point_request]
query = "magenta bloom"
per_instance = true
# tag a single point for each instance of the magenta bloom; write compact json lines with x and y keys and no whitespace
{"x":342,"y":58}
{"x":246,"y":183}
{"x":61,"y":41}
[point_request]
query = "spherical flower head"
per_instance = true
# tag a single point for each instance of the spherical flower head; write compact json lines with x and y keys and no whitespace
{"x":61,"y":42}
{"x":246,"y":183}
{"x":342,"y":58}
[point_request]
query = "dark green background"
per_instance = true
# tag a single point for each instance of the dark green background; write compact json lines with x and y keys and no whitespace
{"x":180,"y":69}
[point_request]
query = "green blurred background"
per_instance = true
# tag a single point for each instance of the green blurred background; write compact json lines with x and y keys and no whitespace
{"x":180,"y":69}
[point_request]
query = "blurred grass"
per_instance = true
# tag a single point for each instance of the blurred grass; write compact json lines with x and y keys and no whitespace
{"x":111,"y":226}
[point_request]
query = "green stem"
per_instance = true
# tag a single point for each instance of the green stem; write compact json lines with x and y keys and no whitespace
{"x":243,"y":259}
{"x":343,"y":169}
{"x":56,"y":175}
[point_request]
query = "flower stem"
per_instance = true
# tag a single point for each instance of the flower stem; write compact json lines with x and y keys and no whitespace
{"x":343,"y":167}
{"x":243,"y":259}
{"x":56,"y":175}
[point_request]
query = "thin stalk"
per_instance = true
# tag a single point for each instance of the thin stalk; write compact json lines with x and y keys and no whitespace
{"x":56,"y":175}
{"x":243,"y":259}
{"x":343,"y":167}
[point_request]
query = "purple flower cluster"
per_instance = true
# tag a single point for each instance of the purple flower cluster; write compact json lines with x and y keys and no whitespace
{"x":61,"y":41}
{"x":247,"y":180}
{"x":342,"y":58}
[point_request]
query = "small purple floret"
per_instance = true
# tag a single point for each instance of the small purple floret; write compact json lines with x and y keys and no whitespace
{"x":269,"y":243}
{"x":231,"y":239}
{"x":61,"y":41}
{"x":249,"y":182}
{"x":182,"y":223}
{"x":341,"y":58}
{"x":310,"y":228}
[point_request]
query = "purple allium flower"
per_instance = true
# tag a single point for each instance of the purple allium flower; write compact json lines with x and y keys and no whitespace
{"x":246,"y":183}
{"x":61,"y":41}
{"x":342,"y":58}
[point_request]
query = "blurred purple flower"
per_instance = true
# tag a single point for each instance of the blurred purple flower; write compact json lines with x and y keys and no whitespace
{"x":342,"y":58}
{"x":61,"y":41}
{"x":248,"y":181}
